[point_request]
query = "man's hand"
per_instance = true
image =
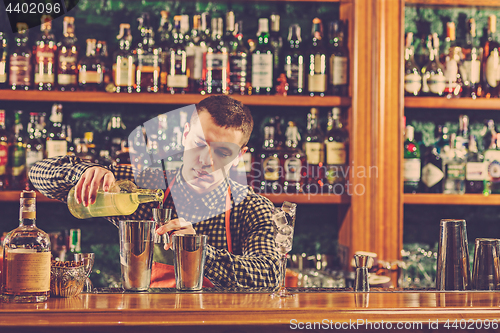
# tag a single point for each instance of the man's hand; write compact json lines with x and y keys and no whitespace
{"x":176,"y":227}
{"x":87,"y":186}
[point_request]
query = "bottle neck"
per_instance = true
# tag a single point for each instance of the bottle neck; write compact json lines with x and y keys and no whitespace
{"x":145,"y":195}
{"x":27,"y":212}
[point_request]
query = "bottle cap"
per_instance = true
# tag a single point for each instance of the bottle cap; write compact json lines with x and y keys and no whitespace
{"x":336,"y":112}
{"x":28,"y":194}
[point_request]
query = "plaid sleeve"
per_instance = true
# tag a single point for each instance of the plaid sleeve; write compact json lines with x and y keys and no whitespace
{"x":258,"y":266}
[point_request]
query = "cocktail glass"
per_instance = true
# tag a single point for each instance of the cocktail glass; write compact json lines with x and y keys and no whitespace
{"x":88,"y":262}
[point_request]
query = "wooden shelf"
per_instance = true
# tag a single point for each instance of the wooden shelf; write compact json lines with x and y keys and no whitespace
{"x":454,"y":103}
{"x":455,"y":3}
{"x":309,"y":198}
{"x":451,"y":199}
{"x":145,"y":98}
{"x":13,"y":196}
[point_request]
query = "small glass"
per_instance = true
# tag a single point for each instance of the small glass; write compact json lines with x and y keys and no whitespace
{"x":88,"y":263}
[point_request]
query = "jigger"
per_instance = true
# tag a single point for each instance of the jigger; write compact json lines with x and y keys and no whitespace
{"x":361,"y":278}
{"x":162,"y":216}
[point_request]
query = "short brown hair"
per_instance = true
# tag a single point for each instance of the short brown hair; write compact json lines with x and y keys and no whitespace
{"x":228,"y":112}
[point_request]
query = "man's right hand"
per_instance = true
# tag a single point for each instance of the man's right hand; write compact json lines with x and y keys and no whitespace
{"x":89,"y":183}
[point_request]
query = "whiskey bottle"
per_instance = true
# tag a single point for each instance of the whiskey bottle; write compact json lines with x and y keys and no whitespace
{"x":44,"y":52}
{"x":67,"y":69}
{"x":411,"y":153}
{"x":177,"y":76}
{"x":452,"y":62}
{"x":491,"y":58}
{"x":4,"y":41}
{"x":336,"y":146}
{"x":294,"y":61}
{"x":239,"y":64}
{"x":56,"y":144}
{"x":317,"y":73}
{"x":215,"y":75}
{"x":276,"y":43}
{"x":4,"y":153}
{"x":338,"y":60}
{"x":90,"y":69}
{"x":270,"y":159}
{"x":34,"y":146}
{"x":17,"y":155}
{"x":262,"y":62}
{"x":26,"y":264}
{"x":148,"y":59}
{"x":293,"y":160}
{"x":20,"y":60}
{"x":413,"y":79}
{"x":314,"y":147}
{"x":124,"y":66}
{"x":433,"y":79}
{"x":471,"y":65}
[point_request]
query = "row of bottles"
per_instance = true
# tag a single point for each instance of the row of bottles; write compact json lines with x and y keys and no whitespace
{"x":453,"y":69}
{"x":456,"y":163}
{"x":202,"y":59}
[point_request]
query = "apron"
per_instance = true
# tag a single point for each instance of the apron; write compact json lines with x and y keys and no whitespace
{"x":163,"y":274}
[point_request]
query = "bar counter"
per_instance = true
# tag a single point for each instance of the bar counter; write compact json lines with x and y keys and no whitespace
{"x":256,"y":312}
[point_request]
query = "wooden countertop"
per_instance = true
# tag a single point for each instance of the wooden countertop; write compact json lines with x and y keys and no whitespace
{"x":247,"y":312}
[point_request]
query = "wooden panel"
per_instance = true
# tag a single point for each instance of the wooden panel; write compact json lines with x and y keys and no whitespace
{"x":144,"y":98}
{"x":455,"y":3}
{"x":452,"y":104}
{"x":452,"y":199}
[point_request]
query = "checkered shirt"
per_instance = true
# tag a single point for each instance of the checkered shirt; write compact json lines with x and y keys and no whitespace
{"x":254,"y":262}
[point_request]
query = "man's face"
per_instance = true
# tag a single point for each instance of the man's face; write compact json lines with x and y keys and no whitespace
{"x":209,"y":152}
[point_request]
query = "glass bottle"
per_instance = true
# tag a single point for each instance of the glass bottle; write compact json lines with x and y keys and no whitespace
{"x":4,"y":52}
{"x":314,"y":148}
{"x":270,"y":158}
{"x":411,"y":153}
{"x":34,"y":146}
{"x":194,"y":54}
{"x":17,"y":155}
{"x":4,"y":153}
{"x":199,"y":84}
{"x":276,"y":43}
{"x":75,"y":240}
{"x":239,"y":64}
{"x":124,"y":66}
{"x":44,"y":52}
{"x":90,"y":69}
{"x":336,"y":147}
{"x":317,"y":73}
{"x":115,"y":133}
{"x":177,"y":76}
{"x":463,"y":132}
{"x":27,"y":257}
{"x":492,"y":163}
{"x":293,"y":160}
{"x":56,"y":144}
{"x":491,"y":58}
{"x":413,"y":79}
{"x":20,"y":60}
{"x":475,"y":172}
{"x":338,"y":60}
{"x":452,"y":61}
{"x":455,"y":162}
{"x":262,"y":62}
{"x":471,"y":65}
{"x":433,"y":79}
{"x":67,"y":69}
{"x":215,"y":64}
{"x":294,"y":61}
{"x":107,"y":75}
{"x":164,"y":32}
{"x":148,"y":59}
{"x":432,"y":171}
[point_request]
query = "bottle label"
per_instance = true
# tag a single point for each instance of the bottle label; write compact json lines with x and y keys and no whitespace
{"x":271,"y":165}
{"x":20,"y":68}
{"x":67,"y":79}
{"x":295,"y":75}
{"x":413,"y":83}
{"x":335,"y":153}
{"x":492,"y":69}
{"x":455,"y":171}
{"x":411,"y":169}
{"x":177,"y":81}
{"x":44,"y":54}
{"x":71,"y":59}
{"x":18,"y":160}
{"x":316,"y":83}
{"x":44,"y":78}
{"x":56,"y":148}
{"x":33,"y":156}
{"x":476,"y":171}
{"x":90,"y":77}
{"x":451,"y":70}
{"x":27,"y":272}
{"x":238,"y":65}
{"x":314,"y":152}
{"x":262,"y":70}
{"x":124,"y":70}
{"x":338,"y":70}
{"x":198,"y":63}
{"x":431,"y":175}
{"x":437,"y":83}
{"x":148,"y":63}
{"x":3,"y":73}
{"x":292,"y":169}
{"x":471,"y":71}
{"x":4,"y":158}
{"x":216,"y":61}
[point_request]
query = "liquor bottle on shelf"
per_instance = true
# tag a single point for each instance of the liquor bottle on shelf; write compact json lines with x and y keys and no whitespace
{"x":67,"y":69}
{"x":338,"y":61}
{"x":252,"y":167}
{"x":262,"y":62}
{"x":336,"y":146}
{"x":412,"y":162}
{"x":270,"y":159}
{"x":114,"y":134}
{"x":27,"y":256}
{"x":56,"y":144}
{"x":491,"y":58}
{"x":492,"y":161}
{"x":455,"y":160}
{"x":293,"y":160}
{"x":314,"y":149}
{"x":443,"y":139}
{"x":230,"y":36}
{"x":69,"y":140}
{"x":294,"y":61}
{"x":75,"y":240}
{"x":317,"y":73}
{"x":148,"y":59}
{"x":463,"y":132}
{"x":452,"y":64}
{"x":17,"y":155}
{"x":20,"y":76}
{"x":433,"y":79}
{"x":276,"y":43}
{"x":34,"y":146}
{"x":124,"y":66}
{"x":239,"y":64}
{"x":194,"y":54}
{"x":4,"y":43}
{"x":216,"y":59}
{"x":103,"y":56}
{"x":90,"y":69}
{"x":44,"y":52}
{"x":413,"y":79}
{"x":471,"y":65}
{"x":432,"y":171}
{"x":4,"y":153}
{"x":475,"y":172}
{"x":205,"y":38}
{"x":177,"y":76}
{"x":164,"y":33}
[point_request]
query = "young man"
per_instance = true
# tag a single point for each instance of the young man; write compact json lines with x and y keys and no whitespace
{"x":203,"y":198}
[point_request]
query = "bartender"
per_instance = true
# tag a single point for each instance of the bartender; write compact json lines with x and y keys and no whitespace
{"x":203,"y":198}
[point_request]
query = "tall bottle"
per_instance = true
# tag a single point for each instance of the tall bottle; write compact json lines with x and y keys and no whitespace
{"x":294,"y":61}
{"x":124,"y":66}
{"x":317,"y":74}
{"x":453,"y":62}
{"x":205,"y":39}
{"x":276,"y":43}
{"x":90,"y":69}
{"x":17,"y":155}
{"x":34,"y":146}
{"x":148,"y":59}
{"x":492,"y":160}
{"x":315,"y":152}
{"x":491,"y":58}
{"x":4,"y":42}
{"x":164,"y":33}
{"x":56,"y":144}
{"x":67,"y":69}
{"x":44,"y":52}
{"x":471,"y":65}
{"x":239,"y":64}
{"x":215,"y":75}
{"x":293,"y":160}
{"x":270,"y":158}
{"x":432,"y":174}
{"x":336,"y":146}
{"x":463,"y":132}
{"x":20,"y":76}
{"x":413,"y":79}
{"x":103,"y":56}
{"x":262,"y":61}
{"x":194,"y":54}
{"x":4,"y":153}
{"x":338,"y":60}
{"x":177,"y":76}
{"x":27,"y":256}
{"x":455,"y":168}
{"x":433,"y":79}
{"x":411,"y":155}
{"x":475,"y":171}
